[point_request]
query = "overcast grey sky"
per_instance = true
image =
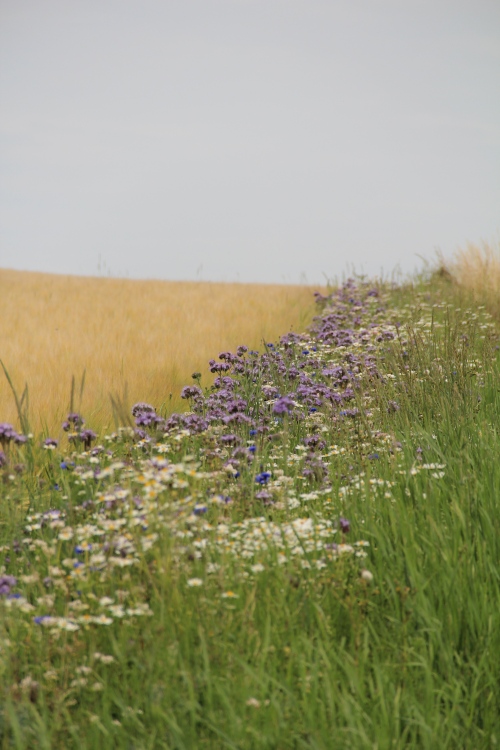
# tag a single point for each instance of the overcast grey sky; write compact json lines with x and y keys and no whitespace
{"x":246,"y":140}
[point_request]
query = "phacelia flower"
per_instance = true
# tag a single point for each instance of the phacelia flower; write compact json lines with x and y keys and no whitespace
{"x":344,"y":525}
{"x":283,"y":405}
{"x":8,"y":434}
{"x":6,"y":583}
{"x":142,"y":407}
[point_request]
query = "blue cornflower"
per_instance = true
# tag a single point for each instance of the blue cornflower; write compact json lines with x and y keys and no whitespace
{"x":40,"y":619}
{"x":79,"y":550}
{"x":263,"y":477}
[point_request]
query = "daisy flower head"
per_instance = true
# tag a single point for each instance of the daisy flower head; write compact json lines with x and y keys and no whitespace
{"x":194,"y":582}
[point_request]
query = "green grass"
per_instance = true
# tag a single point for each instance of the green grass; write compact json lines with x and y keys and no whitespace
{"x":293,"y":656}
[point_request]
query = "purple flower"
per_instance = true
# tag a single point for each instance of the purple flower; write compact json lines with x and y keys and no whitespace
{"x":142,"y":407}
{"x":8,"y":434}
{"x":219,"y":366}
{"x":270,"y":391}
{"x":225,"y":381}
{"x":344,"y":525}
{"x":227,"y":357}
{"x":283,"y":405}
{"x":229,"y":439}
{"x":314,"y":442}
{"x":87,"y":436}
{"x":191,"y":391}
{"x":50,"y":442}
{"x":385,"y":336}
{"x":3,"y":459}
{"x":194,"y":422}
{"x":263,"y":495}
{"x":237,"y":418}
{"x":6,"y":583}
{"x":73,"y":419}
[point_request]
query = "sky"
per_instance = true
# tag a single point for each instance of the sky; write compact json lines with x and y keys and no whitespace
{"x":280,"y":141}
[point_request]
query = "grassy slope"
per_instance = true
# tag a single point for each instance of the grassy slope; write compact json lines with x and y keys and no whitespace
{"x":294,"y":656}
{"x":137,"y":340}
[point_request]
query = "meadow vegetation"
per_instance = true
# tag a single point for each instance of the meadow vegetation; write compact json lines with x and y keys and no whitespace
{"x":308,"y":556}
{"x":135,"y":340}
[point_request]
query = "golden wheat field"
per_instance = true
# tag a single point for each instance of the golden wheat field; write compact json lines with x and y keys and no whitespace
{"x":135,"y":340}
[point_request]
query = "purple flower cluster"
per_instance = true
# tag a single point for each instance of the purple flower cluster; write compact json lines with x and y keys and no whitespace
{"x":283,"y":405}
{"x":73,"y":422}
{"x":146,"y":418}
{"x":86,"y":437}
{"x":324,"y":370}
{"x":9,"y":435}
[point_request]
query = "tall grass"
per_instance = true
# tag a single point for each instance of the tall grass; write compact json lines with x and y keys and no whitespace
{"x":139,"y":338}
{"x":476,"y":268}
